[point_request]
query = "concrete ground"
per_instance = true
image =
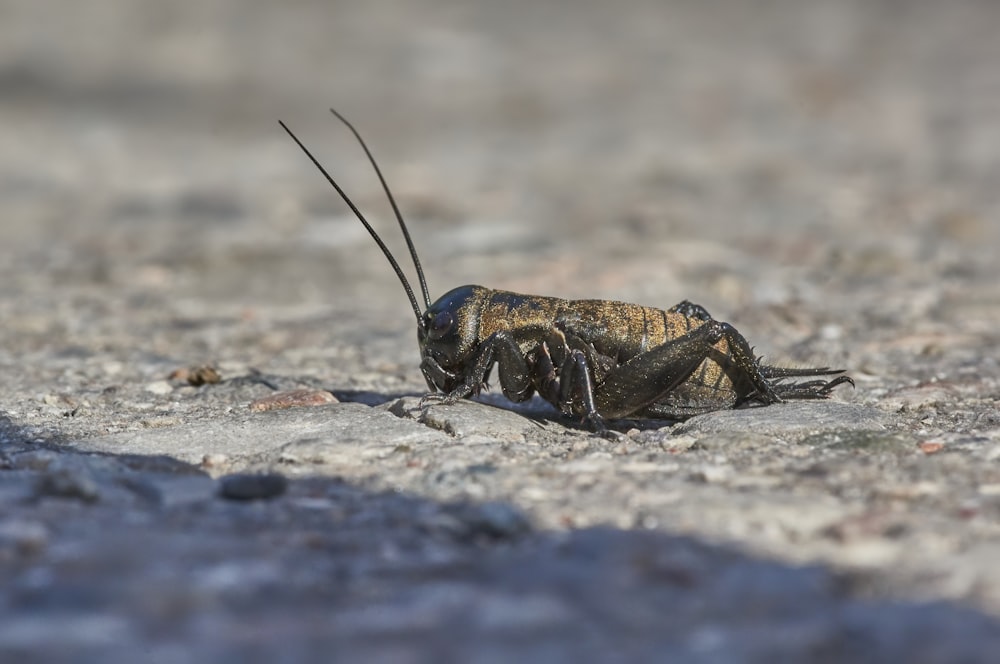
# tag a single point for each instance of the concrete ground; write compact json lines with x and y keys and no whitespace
{"x":822,"y":175}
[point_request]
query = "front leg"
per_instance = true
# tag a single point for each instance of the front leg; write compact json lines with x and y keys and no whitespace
{"x":500,"y":348}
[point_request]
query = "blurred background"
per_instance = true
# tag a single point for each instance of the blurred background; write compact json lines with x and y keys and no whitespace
{"x":762,"y":158}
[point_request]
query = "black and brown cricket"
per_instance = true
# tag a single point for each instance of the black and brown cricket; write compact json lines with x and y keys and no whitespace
{"x":594,"y":359}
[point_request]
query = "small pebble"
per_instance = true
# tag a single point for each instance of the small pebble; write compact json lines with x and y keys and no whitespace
{"x":214,"y":460}
{"x":292,"y":399}
{"x":197,"y":376}
{"x":245,"y":486}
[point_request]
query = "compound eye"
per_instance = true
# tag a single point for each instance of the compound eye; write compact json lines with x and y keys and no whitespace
{"x":440,"y":325}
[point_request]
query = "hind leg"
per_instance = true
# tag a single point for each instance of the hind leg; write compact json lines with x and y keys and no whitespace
{"x":689,"y":309}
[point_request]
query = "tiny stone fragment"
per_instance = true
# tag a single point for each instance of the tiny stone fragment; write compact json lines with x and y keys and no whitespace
{"x":245,"y":486}
{"x":292,"y":399}
{"x":215,"y":460}
{"x":197,"y":376}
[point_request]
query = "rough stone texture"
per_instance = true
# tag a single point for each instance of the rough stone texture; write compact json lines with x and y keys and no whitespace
{"x":822,"y":175}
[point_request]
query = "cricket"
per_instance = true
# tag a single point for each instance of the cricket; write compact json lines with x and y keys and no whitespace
{"x":595,"y":360}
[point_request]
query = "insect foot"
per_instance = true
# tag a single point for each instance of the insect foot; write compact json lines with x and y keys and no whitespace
{"x":595,"y":360}
{"x":438,"y":398}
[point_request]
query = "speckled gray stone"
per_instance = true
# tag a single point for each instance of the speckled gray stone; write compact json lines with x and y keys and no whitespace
{"x":788,"y":420}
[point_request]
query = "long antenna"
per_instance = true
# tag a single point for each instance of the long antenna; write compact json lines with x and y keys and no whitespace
{"x":395,"y":208}
{"x":361,"y":217}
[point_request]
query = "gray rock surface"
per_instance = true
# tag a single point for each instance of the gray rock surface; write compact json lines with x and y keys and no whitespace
{"x":821,"y":175}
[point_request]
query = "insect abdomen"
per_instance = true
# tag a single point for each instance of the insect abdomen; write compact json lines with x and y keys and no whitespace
{"x":622,"y":330}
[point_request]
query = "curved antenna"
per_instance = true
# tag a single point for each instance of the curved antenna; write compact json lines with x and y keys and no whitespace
{"x":361,"y":217}
{"x":395,"y":208}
